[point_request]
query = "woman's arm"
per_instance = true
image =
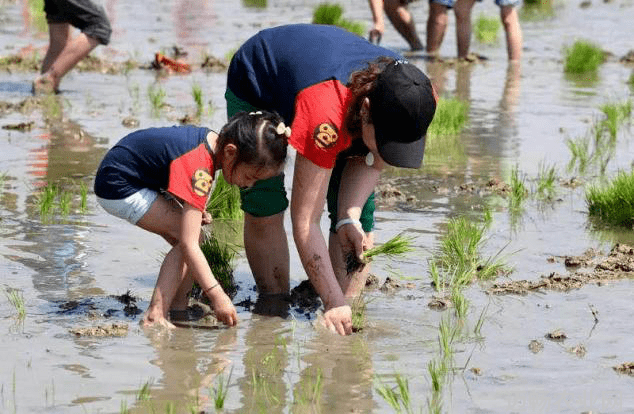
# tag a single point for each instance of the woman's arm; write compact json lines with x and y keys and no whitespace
{"x":357,"y":183}
{"x":199,"y":268}
{"x":308,"y":196}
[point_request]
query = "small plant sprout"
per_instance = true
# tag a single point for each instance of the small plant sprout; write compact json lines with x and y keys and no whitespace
{"x":332,"y":14}
{"x":397,"y":396}
{"x":615,"y":114}
{"x":583,"y":57}
{"x":358,"y":313}
{"x":309,"y":389}
{"x":613,"y":203}
{"x":65,"y":198}
{"x":546,"y":177}
{"x":397,"y":246}
{"x":83,"y":197}
{"x":46,"y":199}
{"x":156,"y":94}
{"x":16,"y":299}
{"x":518,"y":190}
{"x":197,"y":94}
{"x":220,"y":390}
{"x":460,"y":303}
{"x":486,"y":29}
{"x":144,"y":393}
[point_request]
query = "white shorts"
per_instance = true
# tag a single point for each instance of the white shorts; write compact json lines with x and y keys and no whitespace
{"x":131,"y":208}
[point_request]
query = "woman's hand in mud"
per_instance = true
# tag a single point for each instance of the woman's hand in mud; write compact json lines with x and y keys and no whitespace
{"x":339,"y":320}
{"x":352,"y":238}
{"x":223,"y":307}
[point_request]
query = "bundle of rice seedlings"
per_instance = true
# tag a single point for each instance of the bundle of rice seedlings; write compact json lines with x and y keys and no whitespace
{"x":220,"y":257}
{"x":396,"y":246}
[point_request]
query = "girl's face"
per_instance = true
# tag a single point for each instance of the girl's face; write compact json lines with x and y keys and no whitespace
{"x":243,"y":175}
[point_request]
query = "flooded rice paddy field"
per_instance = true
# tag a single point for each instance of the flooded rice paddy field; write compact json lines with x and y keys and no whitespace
{"x":70,"y":269}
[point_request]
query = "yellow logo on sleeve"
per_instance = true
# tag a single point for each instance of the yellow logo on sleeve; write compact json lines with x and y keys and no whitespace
{"x":201,"y":182}
{"x":325,"y":135}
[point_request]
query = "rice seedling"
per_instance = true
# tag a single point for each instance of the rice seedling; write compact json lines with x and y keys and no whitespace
{"x":580,"y":154}
{"x":64,"y":200}
{"x":450,"y":117}
{"x":256,"y":4}
{"x":583,"y":57}
{"x":446,"y":334}
{"x":220,"y":390}
{"x":460,"y":303}
{"x":123,"y":407}
{"x":332,"y":14}
{"x":613,"y":203}
{"x":477,"y":329}
{"x":630,"y":80}
{"x":16,"y":299}
{"x":197,"y":94}
{"x":83,"y":197}
{"x":309,"y":388}
{"x":615,"y":115}
{"x":546,"y":176}
{"x":224,"y":202}
{"x":156,"y":94}
{"x":437,"y":370}
{"x":395,"y":247}
{"x":459,"y":247}
{"x":358,"y":313}
{"x":144,"y":393}
{"x":486,"y":29}
{"x":220,"y":257}
{"x":519,"y":191}
{"x":398,"y":396}
{"x":46,"y":199}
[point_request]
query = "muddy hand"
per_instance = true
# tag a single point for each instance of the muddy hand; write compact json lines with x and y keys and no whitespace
{"x":339,"y":320}
{"x":224,"y":309}
{"x":352,"y":238}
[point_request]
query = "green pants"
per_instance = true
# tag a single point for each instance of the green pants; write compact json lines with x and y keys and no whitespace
{"x":268,"y":197}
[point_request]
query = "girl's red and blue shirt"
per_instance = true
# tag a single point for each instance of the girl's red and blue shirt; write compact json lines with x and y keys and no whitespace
{"x":175,"y":159}
{"x":304,"y":83}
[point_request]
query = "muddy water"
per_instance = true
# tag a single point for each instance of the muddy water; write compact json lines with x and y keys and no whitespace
{"x":519,"y":117}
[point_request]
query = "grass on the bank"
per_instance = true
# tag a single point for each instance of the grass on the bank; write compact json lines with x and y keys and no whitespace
{"x":583,"y":57}
{"x":613,"y":203}
{"x":486,"y":29}
{"x":332,"y":14}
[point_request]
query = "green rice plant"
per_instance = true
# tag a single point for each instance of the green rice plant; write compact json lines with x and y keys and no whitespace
{"x":437,"y":370}
{"x":519,"y":192}
{"x":256,"y":4}
{"x":459,"y":247}
{"x":358,"y":313}
{"x":224,"y":202}
{"x":546,"y":176}
{"x":450,"y":118}
{"x":580,"y":154}
{"x":309,"y":389}
{"x":221,"y":257}
{"x":583,"y":57}
{"x":220,"y":390}
{"x":123,"y":408}
{"x":439,"y":281}
{"x":170,"y":407}
{"x":446,"y":335}
{"x":16,"y":299}
{"x":64,"y":200}
{"x":613,"y":203}
{"x":397,"y":396}
{"x":630,"y":80}
{"x":197,"y":94}
{"x":332,"y":14}
{"x":396,"y":246}
{"x":615,"y":115}
{"x":460,"y":303}
{"x":156,"y":94}
{"x":477,"y":329}
{"x":46,"y":199}
{"x":144,"y":393}
{"x":83,"y":197}
{"x":486,"y":29}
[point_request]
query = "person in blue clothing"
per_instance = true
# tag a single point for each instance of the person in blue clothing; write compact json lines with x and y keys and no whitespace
{"x":160,"y":179}
{"x":353,"y":108}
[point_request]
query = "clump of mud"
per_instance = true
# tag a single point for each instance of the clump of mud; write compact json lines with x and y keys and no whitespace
{"x":619,"y":264}
{"x":625,"y":368}
{"x":114,"y":329}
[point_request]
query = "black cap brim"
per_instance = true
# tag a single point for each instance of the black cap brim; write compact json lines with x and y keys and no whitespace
{"x":402,"y":154}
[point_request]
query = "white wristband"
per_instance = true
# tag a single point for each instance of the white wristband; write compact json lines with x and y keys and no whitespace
{"x":345,"y":221}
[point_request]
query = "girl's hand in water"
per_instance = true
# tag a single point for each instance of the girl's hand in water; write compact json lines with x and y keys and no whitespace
{"x":223,"y":307}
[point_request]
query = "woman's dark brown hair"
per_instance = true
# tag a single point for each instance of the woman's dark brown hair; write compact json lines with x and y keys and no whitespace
{"x":361,"y":83}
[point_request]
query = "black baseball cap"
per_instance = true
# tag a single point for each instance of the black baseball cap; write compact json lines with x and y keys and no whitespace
{"x":402,"y":105}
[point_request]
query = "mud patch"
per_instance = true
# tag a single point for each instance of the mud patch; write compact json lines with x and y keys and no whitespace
{"x":114,"y":329}
{"x":557,"y":335}
{"x":619,"y":264}
{"x":625,"y":368}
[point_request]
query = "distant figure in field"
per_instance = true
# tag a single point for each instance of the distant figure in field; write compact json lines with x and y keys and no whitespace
{"x":63,"y":51}
{"x":403,"y":21}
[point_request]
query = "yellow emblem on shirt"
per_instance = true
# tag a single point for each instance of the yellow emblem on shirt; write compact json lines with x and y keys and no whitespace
{"x":201,"y":182}
{"x":325,"y":135}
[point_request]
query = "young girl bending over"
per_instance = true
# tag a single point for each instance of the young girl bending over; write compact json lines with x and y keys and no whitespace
{"x":160,"y":179}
